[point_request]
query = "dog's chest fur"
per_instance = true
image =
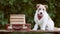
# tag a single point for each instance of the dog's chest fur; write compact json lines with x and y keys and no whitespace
{"x":45,"y":19}
{"x":40,"y":22}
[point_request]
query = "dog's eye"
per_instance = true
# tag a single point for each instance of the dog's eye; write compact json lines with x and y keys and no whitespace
{"x":43,"y":9}
{"x":39,"y":8}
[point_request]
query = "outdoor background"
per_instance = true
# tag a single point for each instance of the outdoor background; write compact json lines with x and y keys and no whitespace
{"x":28,"y":8}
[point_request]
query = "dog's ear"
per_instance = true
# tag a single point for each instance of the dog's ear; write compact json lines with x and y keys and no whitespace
{"x":38,"y":5}
{"x":46,"y":6}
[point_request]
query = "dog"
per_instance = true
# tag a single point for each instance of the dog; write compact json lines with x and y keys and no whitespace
{"x":42,"y":19}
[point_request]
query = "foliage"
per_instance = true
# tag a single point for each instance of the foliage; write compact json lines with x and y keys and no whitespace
{"x":28,"y":8}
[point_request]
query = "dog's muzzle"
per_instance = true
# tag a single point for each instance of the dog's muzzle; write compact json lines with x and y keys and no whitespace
{"x":39,"y":16}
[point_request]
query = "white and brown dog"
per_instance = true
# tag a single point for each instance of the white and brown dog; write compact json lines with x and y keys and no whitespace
{"x":42,"y":19}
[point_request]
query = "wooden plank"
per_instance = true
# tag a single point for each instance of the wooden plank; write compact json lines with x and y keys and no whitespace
{"x":17,"y":19}
{"x":17,"y":16}
{"x":17,"y":22}
{"x":44,"y":31}
{"x":28,"y":31}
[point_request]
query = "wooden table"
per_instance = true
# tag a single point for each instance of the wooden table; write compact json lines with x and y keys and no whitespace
{"x":10,"y":31}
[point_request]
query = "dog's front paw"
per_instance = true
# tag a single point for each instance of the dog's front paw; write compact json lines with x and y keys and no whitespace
{"x":34,"y":29}
{"x":42,"y":28}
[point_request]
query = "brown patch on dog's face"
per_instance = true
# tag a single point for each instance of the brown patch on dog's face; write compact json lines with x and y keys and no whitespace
{"x":40,"y":5}
{"x":37,"y":6}
{"x":46,"y":6}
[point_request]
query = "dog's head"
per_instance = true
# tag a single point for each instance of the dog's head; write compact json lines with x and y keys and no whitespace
{"x":41,"y":9}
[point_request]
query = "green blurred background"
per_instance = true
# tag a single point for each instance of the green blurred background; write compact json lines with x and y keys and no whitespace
{"x":28,"y":8}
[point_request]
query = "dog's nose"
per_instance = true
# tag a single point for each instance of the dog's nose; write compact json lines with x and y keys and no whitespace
{"x":40,"y":12}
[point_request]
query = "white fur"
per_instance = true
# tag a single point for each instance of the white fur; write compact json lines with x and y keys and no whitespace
{"x":45,"y":22}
